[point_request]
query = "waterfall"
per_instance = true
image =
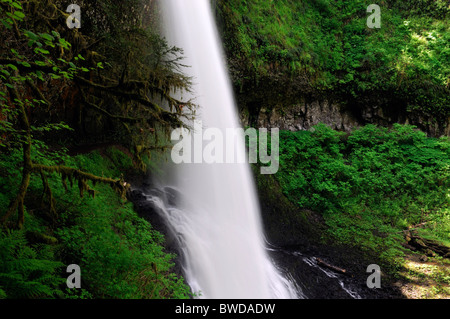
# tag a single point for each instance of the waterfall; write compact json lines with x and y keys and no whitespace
{"x":216,"y":217}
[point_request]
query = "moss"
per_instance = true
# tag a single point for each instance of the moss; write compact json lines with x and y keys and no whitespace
{"x":325,"y":49}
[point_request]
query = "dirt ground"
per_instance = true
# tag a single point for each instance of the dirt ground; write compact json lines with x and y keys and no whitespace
{"x":425,"y":278}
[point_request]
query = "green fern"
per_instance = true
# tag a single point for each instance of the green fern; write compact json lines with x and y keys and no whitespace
{"x":25,"y":271}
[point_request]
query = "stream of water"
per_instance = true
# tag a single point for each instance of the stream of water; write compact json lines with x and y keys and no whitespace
{"x":216,"y":217}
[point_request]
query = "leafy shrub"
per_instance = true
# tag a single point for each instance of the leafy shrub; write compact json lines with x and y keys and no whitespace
{"x":329,"y":46}
{"x":373,"y":181}
{"x":27,"y":271}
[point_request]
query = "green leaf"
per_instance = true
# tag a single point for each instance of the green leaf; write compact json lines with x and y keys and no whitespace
{"x":46,"y":36}
{"x":31,"y":35}
{"x":64,"y":43}
{"x":25,"y":64}
{"x":19,"y":15}
{"x":12,"y":66}
{"x":40,"y":50}
{"x":40,"y":63}
{"x":16,"y":5}
{"x":5,"y":72}
{"x":6,"y":24}
{"x":39,"y":75}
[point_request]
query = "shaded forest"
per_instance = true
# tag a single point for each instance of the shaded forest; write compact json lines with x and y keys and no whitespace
{"x":80,"y":107}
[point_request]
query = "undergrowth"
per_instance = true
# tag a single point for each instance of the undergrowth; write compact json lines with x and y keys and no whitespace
{"x":329,"y":45}
{"x":120,"y":255}
{"x":370,"y":185}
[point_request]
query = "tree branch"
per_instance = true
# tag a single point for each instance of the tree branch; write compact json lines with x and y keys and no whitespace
{"x":70,"y":173}
{"x":18,"y":202}
{"x":158,"y":112}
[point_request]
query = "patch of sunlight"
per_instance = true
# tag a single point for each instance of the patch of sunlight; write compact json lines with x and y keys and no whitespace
{"x":403,"y":61}
{"x":426,"y":280}
{"x":419,"y":39}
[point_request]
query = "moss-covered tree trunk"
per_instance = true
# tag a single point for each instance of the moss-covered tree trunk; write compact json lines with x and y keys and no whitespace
{"x":18,"y":202}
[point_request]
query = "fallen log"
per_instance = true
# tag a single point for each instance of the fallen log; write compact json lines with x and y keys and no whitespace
{"x":428,"y":246}
{"x":322,"y":263}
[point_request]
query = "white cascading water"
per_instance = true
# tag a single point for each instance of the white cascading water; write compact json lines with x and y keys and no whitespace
{"x":217,"y":221}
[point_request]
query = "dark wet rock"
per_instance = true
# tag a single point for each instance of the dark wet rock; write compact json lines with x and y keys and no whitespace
{"x":140,"y":196}
{"x":297,"y":234}
{"x":172,"y":195}
{"x":136,"y":195}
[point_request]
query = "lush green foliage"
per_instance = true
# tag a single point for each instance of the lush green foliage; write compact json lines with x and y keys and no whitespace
{"x":27,"y":271}
{"x":105,"y":76}
{"x":108,"y":77}
{"x":328,"y":45}
{"x":119,"y":253}
{"x":371,"y":184}
{"x":38,"y":45}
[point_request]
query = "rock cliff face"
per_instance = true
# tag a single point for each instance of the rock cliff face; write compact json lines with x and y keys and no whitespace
{"x":339,"y":116}
{"x":303,"y":116}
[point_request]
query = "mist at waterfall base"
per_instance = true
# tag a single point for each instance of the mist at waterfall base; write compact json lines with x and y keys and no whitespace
{"x":212,"y":209}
